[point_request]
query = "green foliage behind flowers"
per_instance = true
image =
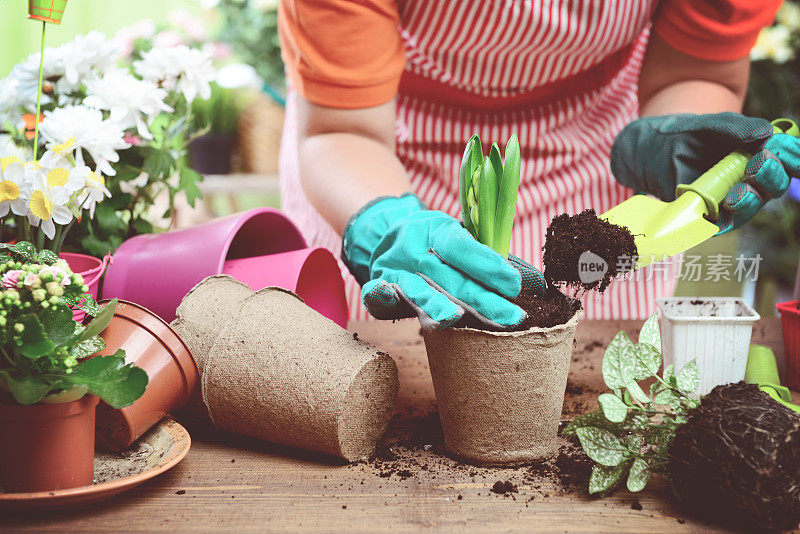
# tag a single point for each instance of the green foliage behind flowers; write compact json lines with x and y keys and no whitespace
{"x":629,"y":437}
{"x":44,"y":350}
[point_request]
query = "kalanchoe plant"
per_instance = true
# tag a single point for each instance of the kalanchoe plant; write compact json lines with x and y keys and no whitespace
{"x":488,"y":190}
{"x":632,"y":432}
{"x":45,"y":352}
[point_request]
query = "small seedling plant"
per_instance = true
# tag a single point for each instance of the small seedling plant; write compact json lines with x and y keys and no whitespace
{"x":629,"y":437}
{"x":488,"y":188}
{"x":45,"y":355}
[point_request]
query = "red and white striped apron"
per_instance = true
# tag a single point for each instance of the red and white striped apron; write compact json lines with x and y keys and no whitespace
{"x":560,"y":73}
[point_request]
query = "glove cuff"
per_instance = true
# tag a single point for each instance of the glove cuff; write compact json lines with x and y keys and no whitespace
{"x":368,"y":225}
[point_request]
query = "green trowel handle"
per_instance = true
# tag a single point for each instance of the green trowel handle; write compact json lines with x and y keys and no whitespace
{"x":715,"y":183}
{"x":763,"y":371}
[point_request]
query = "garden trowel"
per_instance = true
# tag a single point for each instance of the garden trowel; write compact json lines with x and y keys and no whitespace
{"x":663,"y":229}
{"x":763,"y":372}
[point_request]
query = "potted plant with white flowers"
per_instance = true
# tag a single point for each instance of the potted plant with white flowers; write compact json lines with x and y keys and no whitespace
{"x":120,"y":129}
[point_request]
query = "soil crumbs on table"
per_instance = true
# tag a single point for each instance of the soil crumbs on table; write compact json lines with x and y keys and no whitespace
{"x":570,"y":236}
{"x":416,"y":450}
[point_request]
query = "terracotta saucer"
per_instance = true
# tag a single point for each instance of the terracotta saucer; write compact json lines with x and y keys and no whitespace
{"x":157,"y":451}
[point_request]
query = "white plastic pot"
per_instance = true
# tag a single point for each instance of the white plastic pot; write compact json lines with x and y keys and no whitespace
{"x":714,"y":330}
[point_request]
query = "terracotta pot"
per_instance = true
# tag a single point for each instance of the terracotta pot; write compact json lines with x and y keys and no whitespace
{"x":45,"y":447}
{"x":153,"y":345}
{"x":500,"y":394}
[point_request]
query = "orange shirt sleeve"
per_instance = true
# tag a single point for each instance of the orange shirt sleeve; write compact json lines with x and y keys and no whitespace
{"x":714,"y":30}
{"x":342,"y":53}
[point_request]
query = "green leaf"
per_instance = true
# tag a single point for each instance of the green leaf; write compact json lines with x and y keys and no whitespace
{"x":613,"y":408}
{"x":636,"y":392}
{"x":109,"y":378}
{"x":634,"y":421}
{"x":98,"y":324}
{"x":26,"y":251}
{"x":33,"y":342}
{"x":158,"y":163}
{"x":650,"y":333}
{"x":507,"y":197}
{"x":648,"y":361}
{"x":688,"y":378}
{"x":189,"y":178}
{"x":605,"y":478}
{"x":669,"y":398}
{"x":87,"y":348}
{"x":470,"y":161}
{"x":58,"y":323}
{"x":48,"y":257}
{"x":142,"y":226}
{"x":659,"y":438}
{"x":487,"y":203}
{"x":26,"y":390}
{"x":618,"y":363}
{"x":602,"y":446}
{"x":638,"y":475}
{"x":108,"y":221}
{"x":496,"y":161}
{"x":669,"y":376}
{"x":89,"y":305}
{"x":634,"y":443}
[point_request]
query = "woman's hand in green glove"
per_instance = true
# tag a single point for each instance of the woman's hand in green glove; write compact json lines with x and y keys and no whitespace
{"x":416,"y":262}
{"x":655,"y":154}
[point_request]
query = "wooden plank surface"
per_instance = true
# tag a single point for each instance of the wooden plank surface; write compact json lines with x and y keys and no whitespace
{"x":228,"y":483}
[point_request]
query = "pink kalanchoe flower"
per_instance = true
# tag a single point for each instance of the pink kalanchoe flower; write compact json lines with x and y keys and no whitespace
{"x":133,"y":139}
{"x":32,"y":281}
{"x":11,"y":278}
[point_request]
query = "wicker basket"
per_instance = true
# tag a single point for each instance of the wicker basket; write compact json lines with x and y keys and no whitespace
{"x":259,"y":136}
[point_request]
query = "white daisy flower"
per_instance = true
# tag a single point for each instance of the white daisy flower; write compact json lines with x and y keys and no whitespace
{"x":180,"y":68}
{"x":58,"y":154}
{"x":129,"y":100}
{"x":48,"y":206}
{"x":61,"y":173}
{"x":94,"y":192}
{"x":101,"y":138}
{"x":10,"y":101}
{"x":132,"y":186}
{"x":8,"y":147}
{"x":13,"y":186}
{"x":26,"y":75}
{"x":88,"y":53}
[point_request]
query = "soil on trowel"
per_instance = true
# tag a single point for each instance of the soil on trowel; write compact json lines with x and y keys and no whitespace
{"x":544,"y":311}
{"x":569,"y":237}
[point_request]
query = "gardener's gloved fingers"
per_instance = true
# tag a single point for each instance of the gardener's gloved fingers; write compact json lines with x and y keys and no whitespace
{"x":385,"y":301}
{"x":787,"y":149}
{"x":740,"y":205}
{"x":433,"y":308}
{"x":731,"y":129}
{"x":488,"y":307}
{"x":532,"y":280}
{"x":462,"y":252}
{"x":766,"y":173}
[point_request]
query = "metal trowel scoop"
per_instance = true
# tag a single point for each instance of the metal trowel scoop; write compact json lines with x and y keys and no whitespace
{"x":663,"y":229}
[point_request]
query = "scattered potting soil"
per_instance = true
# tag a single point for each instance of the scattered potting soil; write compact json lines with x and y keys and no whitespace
{"x":737,"y":459}
{"x":636,"y":505}
{"x":502,"y":487}
{"x":544,"y":311}
{"x":570,"y":467}
{"x":569,"y":237}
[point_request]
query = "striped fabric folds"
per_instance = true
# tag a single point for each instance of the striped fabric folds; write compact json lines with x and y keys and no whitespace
{"x":560,"y":73}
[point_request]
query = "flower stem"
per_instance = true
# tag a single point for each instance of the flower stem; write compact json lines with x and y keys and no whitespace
{"x":39,"y":96}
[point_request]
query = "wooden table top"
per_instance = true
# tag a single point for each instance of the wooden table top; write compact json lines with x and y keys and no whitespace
{"x":227,"y":483}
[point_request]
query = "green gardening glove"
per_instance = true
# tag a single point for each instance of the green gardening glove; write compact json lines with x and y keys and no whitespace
{"x":412,"y":262}
{"x":655,"y":154}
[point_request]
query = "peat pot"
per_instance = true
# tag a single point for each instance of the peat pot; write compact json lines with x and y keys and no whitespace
{"x":500,"y":394}
{"x":46,"y":447}
{"x":172,"y":373}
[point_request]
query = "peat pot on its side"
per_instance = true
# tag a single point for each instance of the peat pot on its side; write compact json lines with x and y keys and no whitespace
{"x":500,"y":394}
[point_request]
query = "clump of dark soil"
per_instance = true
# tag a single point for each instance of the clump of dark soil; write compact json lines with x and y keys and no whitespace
{"x":502,"y":488}
{"x":544,"y":311}
{"x":571,"y":468}
{"x":570,"y":236}
{"x":737,"y":459}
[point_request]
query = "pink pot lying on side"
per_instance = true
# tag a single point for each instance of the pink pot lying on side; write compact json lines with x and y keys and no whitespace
{"x":157,"y":270}
{"x":312,"y":273}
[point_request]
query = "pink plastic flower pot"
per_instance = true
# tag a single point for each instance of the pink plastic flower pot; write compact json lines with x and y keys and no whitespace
{"x":90,"y":268}
{"x":312,"y":273}
{"x":790,"y":320}
{"x":157,"y":270}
